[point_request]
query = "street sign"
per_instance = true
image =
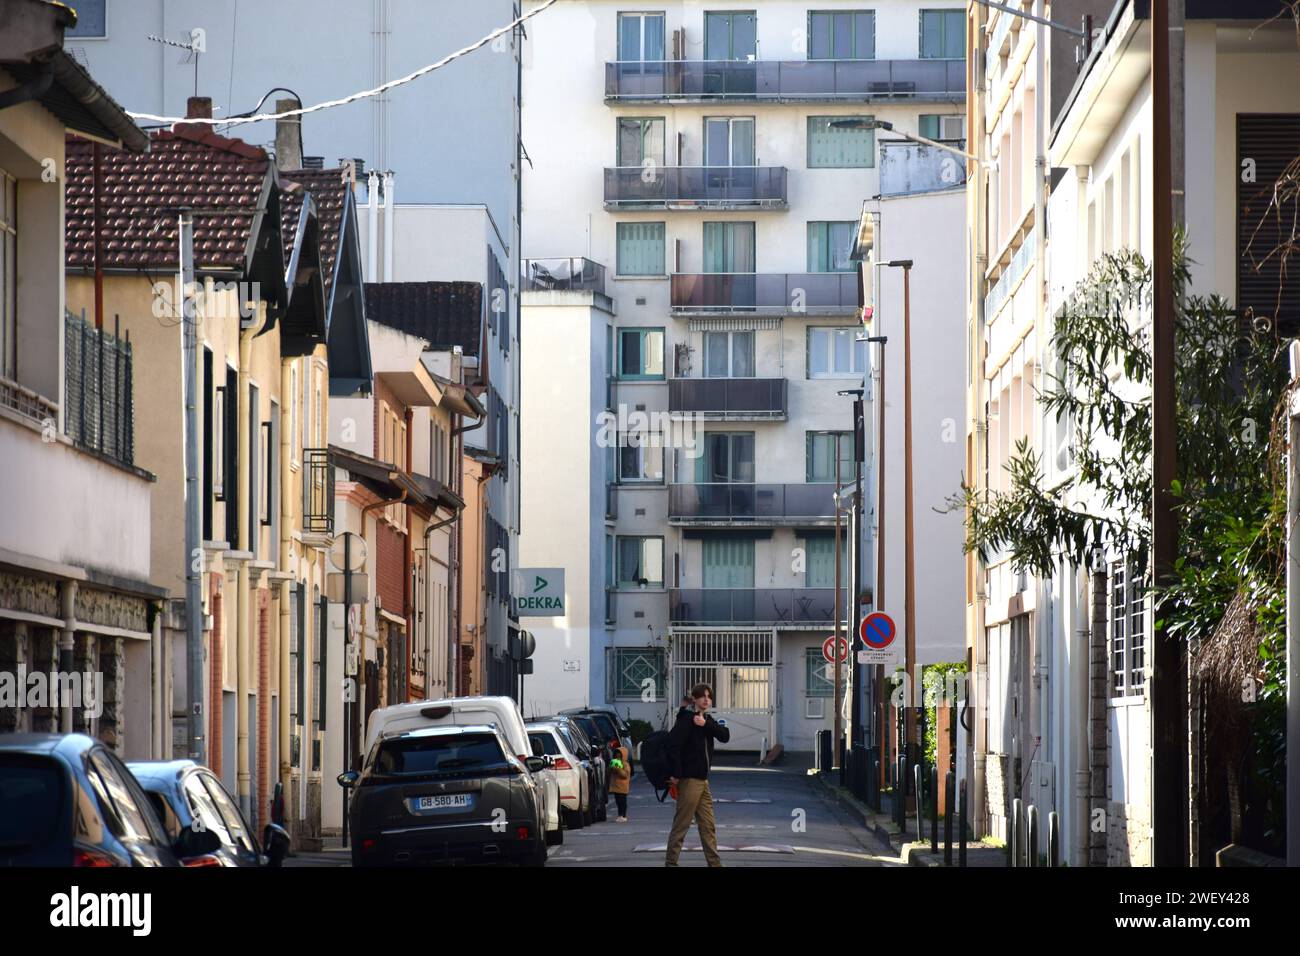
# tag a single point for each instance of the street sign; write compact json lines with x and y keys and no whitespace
{"x":878,"y":631}
{"x":522,"y":644}
{"x":334,"y":589}
{"x":538,"y":592}
{"x":843,"y":650}
{"x":339,"y":550}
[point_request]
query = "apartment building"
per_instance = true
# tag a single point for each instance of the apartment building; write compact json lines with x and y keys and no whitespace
{"x":707,"y":160}
{"x":1063,"y":719}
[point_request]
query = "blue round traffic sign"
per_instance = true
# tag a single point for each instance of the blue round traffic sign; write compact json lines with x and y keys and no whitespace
{"x":878,"y":630}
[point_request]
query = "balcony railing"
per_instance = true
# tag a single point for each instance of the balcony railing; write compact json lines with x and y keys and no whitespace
{"x":1020,"y":264}
{"x":811,"y":293}
{"x":734,"y":399}
{"x":809,"y":607}
{"x":97,"y":394}
{"x":318,"y":491}
{"x":850,"y":81}
{"x":722,"y":502}
{"x":575,"y":274}
{"x":693,"y":187}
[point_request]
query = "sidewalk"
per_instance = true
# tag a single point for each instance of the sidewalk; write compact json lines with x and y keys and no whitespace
{"x":331,"y":853}
{"x":911,"y":852}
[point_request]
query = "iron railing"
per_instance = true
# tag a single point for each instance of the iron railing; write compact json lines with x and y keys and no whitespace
{"x":852,"y":81}
{"x":318,"y":491}
{"x":573,"y":274}
{"x":811,"y":293}
{"x":692,"y":187}
{"x":751,"y":503}
{"x":97,"y":392}
{"x":722,"y":398}
{"x":753,"y":606}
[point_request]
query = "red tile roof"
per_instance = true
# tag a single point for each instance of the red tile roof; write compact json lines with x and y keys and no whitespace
{"x":143,"y":193}
{"x":330,"y":192}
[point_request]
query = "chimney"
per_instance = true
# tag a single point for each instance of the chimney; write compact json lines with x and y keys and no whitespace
{"x":197,"y":107}
{"x":288,"y":136}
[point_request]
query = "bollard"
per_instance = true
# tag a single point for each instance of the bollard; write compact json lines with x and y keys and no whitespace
{"x":875,"y":785}
{"x":934,"y":810}
{"x":949,"y":787}
{"x":900,"y":794}
{"x":1017,"y":837}
{"x":961,"y":824}
{"x":917,"y":771}
{"x":1031,"y":836}
{"x":1053,"y":839}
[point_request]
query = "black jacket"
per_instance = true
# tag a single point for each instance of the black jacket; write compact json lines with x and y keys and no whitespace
{"x":690,"y":748}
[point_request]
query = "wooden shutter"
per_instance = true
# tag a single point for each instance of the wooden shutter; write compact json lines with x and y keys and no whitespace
{"x":1267,"y":144}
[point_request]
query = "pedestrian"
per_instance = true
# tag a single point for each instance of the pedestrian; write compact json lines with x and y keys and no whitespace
{"x":690,"y":755}
{"x":620,"y":779}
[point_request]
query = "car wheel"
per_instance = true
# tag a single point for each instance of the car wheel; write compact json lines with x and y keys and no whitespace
{"x":556,"y":837}
{"x":589,"y":816}
{"x":573,"y":819}
{"x":602,"y":813}
{"x":539,"y":857}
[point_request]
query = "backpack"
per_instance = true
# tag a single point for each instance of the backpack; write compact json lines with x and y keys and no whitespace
{"x":654,"y":762}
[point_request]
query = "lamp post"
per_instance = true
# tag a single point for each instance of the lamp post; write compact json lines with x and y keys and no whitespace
{"x":878,"y":586}
{"x":855,"y":574}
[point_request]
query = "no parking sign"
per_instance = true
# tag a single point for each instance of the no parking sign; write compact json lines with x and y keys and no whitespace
{"x":878,"y":631}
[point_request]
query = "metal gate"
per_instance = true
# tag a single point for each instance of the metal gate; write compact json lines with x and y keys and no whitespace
{"x":740,"y":667}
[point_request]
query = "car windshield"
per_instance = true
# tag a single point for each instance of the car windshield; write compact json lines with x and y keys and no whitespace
{"x":31,"y":798}
{"x":406,"y":755}
{"x":590,"y":729}
{"x":548,"y":744}
{"x":607,"y":725}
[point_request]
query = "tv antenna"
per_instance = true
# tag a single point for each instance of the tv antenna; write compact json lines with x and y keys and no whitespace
{"x":197,"y":45}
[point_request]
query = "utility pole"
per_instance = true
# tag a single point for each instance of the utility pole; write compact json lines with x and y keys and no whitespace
{"x":835,"y":644}
{"x":193,"y":547}
{"x":1168,"y":699}
{"x":878,"y":590}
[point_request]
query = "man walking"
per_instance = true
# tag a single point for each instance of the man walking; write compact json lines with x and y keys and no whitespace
{"x":690,"y":755}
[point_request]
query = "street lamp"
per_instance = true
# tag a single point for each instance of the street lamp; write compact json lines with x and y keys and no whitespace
{"x":874,"y":124}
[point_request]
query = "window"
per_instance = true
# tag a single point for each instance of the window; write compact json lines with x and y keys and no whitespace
{"x":295,"y":420}
{"x":266,"y":502}
{"x":729,"y":141}
{"x":640,"y":37}
{"x":1127,"y":631}
{"x":829,"y":246}
{"x":640,"y":353}
{"x":633,"y":666}
{"x":820,"y":455}
{"x":819,"y":567}
{"x":943,"y":34}
{"x":943,"y":126}
{"x":836,"y":353}
{"x":731,"y":36}
{"x":816,"y":681}
{"x":229,"y":812}
{"x":728,"y":354}
{"x":640,"y":141}
{"x":727,"y":562}
{"x":8,"y":275}
{"x":640,"y":458}
{"x":640,"y":562}
{"x":728,"y":458}
{"x":640,"y":249}
{"x":92,"y":20}
{"x":847,"y":35}
{"x":833,"y":148}
{"x":203,"y":809}
{"x":728,"y":247}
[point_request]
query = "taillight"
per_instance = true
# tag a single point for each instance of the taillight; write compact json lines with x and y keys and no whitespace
{"x":207,"y":859}
{"x":562,"y":764}
{"x":368,"y":844}
{"x":521,"y":833}
{"x":93,"y":858}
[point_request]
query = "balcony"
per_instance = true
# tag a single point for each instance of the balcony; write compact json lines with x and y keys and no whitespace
{"x":725,"y":504}
{"x":317,"y":491}
{"x":800,"y":608}
{"x":728,"y":399}
{"x":98,"y":390}
{"x":779,"y":81}
{"x":695,"y":187}
{"x":778,"y":293}
{"x":574,"y":274}
{"x":910,"y":168}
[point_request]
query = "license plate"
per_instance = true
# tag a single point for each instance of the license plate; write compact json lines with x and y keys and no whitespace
{"x":448,"y":801}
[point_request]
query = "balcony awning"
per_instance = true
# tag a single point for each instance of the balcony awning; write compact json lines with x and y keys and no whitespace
{"x":437,"y":493}
{"x":754,"y":323}
{"x":742,"y":534}
{"x":384,"y":479}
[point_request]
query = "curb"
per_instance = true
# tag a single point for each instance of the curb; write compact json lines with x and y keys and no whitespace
{"x":879,"y":825}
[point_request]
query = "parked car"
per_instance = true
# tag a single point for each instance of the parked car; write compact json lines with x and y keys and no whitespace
{"x":600,"y":746}
{"x":592,"y":763}
{"x":608,"y":718}
{"x":572,"y":774}
{"x":67,"y":800}
{"x":446,"y":794}
{"x":185,"y":795}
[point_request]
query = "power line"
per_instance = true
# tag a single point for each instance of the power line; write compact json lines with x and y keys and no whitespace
{"x":391,"y":84}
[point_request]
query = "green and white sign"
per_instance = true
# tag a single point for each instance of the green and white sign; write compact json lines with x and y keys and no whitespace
{"x":538,"y":592}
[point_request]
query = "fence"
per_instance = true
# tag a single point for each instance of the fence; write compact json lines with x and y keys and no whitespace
{"x":99,"y":413}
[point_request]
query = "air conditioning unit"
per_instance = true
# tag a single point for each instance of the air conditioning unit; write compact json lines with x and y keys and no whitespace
{"x":815,"y":708}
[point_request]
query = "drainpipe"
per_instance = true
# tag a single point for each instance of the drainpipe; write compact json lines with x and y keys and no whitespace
{"x":67,"y":637}
{"x":1078,"y":714}
{"x":157,"y":739}
{"x":244,"y":604}
{"x":1042,"y":622}
{"x":372,"y":233}
{"x":360,"y":707}
{"x":288,"y":507}
{"x":388,"y":226}
{"x":408,"y":568}
{"x":1098,"y":763}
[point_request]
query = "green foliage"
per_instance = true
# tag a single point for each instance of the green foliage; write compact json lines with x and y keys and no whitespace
{"x":640,"y":729}
{"x":934,"y":685}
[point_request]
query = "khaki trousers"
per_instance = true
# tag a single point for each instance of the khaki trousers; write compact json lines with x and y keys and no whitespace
{"x":694,"y":802}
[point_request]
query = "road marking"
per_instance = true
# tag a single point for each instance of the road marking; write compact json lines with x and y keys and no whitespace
{"x":742,"y":800}
{"x":663,"y":848}
{"x":855,"y":856}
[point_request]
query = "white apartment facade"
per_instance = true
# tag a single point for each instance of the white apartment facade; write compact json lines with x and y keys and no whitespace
{"x":692,"y":156}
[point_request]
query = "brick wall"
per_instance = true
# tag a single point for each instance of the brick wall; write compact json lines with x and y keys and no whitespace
{"x":264,"y":663}
{"x":391,"y":576}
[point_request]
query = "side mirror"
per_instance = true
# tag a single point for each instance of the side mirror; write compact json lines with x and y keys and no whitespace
{"x":197,"y":842}
{"x":548,"y":761}
{"x":348,"y":779}
{"x":534,"y":764}
{"x":275,"y":843}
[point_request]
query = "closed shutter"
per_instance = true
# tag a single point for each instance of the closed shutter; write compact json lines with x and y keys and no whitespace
{"x":1266,"y":145}
{"x":728,"y":563}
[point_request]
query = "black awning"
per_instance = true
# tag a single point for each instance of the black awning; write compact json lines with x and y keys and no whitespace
{"x":384,"y":479}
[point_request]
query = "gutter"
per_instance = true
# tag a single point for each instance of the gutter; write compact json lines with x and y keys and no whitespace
{"x":33,"y":89}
